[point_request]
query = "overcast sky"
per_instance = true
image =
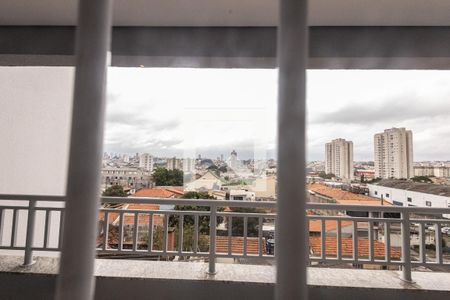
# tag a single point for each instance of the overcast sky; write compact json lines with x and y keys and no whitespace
{"x":186,"y":112}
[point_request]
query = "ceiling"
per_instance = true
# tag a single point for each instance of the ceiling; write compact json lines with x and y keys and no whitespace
{"x":233,"y":12}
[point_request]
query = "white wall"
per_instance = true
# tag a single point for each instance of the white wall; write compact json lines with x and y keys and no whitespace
{"x":417,"y":199}
{"x":35,"y":119}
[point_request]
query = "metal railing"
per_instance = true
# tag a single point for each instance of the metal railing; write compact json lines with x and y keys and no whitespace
{"x":383,"y":239}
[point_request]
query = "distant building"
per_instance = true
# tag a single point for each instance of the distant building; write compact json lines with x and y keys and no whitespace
{"x":207,"y":182}
{"x":265,"y":187}
{"x":173,"y":164}
{"x":233,"y":160}
{"x":339,"y":158}
{"x":132,"y":178}
{"x":394,"y":153}
{"x":146,"y":162}
{"x":436,"y":171}
{"x":188,"y":165}
{"x":407,"y":193}
{"x":366,"y":174}
{"x":242,"y":195}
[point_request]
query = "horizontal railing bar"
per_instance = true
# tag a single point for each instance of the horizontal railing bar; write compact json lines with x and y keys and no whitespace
{"x":235,"y":203}
{"x":187,"y":212}
{"x":31,"y":197}
{"x":380,"y":208}
{"x":249,"y":215}
{"x":21,"y":248}
{"x":196,"y":202}
{"x":14,"y":207}
{"x":184,"y":253}
{"x":349,"y":218}
{"x":40,"y":208}
{"x":152,"y":211}
{"x":433,"y":221}
{"x":352,"y":261}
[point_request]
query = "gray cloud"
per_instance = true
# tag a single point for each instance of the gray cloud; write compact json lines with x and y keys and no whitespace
{"x":399,"y":108}
{"x":349,"y":104}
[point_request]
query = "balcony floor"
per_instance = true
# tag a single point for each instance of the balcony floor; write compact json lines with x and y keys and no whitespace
{"x":188,"y":280}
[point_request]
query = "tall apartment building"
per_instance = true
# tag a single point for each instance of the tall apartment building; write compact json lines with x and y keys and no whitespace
{"x":146,"y":162}
{"x":188,"y":165}
{"x":339,"y":158}
{"x":394,"y":153}
{"x":436,"y":171}
{"x":173,"y":164}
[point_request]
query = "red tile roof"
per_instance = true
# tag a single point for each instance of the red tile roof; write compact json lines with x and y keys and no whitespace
{"x":344,"y":197}
{"x":330,"y":225}
{"x":176,"y":189}
{"x":237,"y":245}
{"x":347,"y":248}
{"x":143,"y":219}
{"x":155,"y":193}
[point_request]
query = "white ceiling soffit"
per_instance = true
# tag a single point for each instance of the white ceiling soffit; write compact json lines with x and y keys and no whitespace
{"x":233,"y":12}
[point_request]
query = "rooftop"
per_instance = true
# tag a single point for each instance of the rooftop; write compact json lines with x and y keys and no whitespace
{"x":344,"y":197}
{"x":315,"y":225}
{"x":347,"y":248}
{"x":158,"y":193}
{"x":427,"y":188}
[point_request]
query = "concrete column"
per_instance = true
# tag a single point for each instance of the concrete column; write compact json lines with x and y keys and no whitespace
{"x":291,"y":235}
{"x":75,"y":280}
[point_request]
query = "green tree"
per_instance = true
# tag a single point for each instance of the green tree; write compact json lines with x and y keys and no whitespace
{"x":164,"y":177}
{"x":114,"y":191}
{"x":326,"y":176}
{"x":223,"y":169}
{"x":189,"y":220}
{"x":238,"y":222}
{"x":374,"y":180}
{"x":425,"y":179}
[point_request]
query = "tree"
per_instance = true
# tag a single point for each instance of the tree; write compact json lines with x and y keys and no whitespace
{"x":189,"y":220}
{"x":425,"y":179}
{"x":164,"y":177}
{"x":223,"y":169}
{"x":326,"y":176}
{"x":374,"y":180}
{"x":114,"y":191}
{"x":238,"y":222}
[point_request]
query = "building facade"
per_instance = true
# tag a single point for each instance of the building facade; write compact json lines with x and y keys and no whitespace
{"x":406,"y":193}
{"x":146,"y":162}
{"x":394,"y":153}
{"x":132,"y":178}
{"x":436,"y":171}
{"x":174,"y":164}
{"x":339,"y":158}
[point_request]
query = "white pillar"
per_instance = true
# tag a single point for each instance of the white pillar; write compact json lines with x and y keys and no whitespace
{"x":75,"y":280}
{"x":291,"y":236}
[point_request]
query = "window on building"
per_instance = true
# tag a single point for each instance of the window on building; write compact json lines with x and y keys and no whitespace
{"x":387,"y":195}
{"x":409,"y":199}
{"x":428,"y":203}
{"x":376,"y":193}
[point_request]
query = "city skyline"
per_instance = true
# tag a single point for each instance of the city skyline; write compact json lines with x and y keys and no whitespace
{"x":353,"y":105}
{"x":142,"y":114}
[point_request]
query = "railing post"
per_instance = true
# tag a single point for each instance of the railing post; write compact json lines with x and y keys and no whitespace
{"x":28,"y":257}
{"x":212,"y":240}
{"x":406,"y":244}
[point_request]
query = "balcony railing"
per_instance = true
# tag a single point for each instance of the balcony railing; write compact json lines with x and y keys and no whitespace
{"x":343,"y":234}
